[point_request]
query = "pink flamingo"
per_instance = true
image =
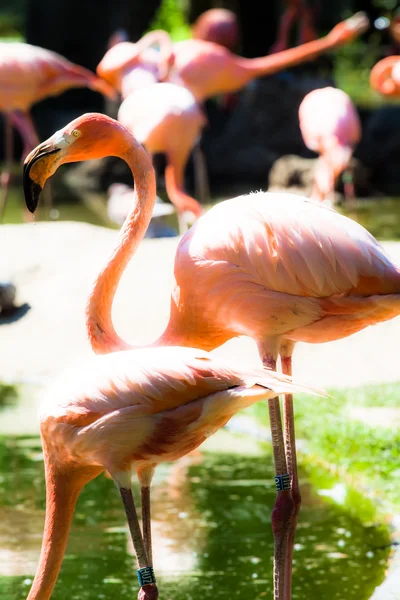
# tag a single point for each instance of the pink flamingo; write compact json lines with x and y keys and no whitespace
{"x":278,"y":268}
{"x":130,"y":410}
{"x":166,"y":118}
{"x":385,"y":76}
{"x":330,"y":125}
{"x":296,"y":10}
{"x":29,"y":74}
{"x":218,"y":25}
{"x":128,"y":66}
{"x":208,"y":69}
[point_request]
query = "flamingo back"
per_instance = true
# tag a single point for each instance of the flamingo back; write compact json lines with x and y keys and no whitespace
{"x":328,"y":114}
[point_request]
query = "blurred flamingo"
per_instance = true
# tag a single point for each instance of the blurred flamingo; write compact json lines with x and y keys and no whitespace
{"x":300,"y":11}
{"x":330,"y":125}
{"x":29,"y":74}
{"x":128,"y":66}
{"x":166,"y":118}
{"x":130,"y":410}
{"x":208,"y":69}
{"x":218,"y":25}
{"x":385,"y":76}
{"x":276,"y":267}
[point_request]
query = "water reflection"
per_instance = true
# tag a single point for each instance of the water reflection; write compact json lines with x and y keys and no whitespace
{"x":211,"y":527}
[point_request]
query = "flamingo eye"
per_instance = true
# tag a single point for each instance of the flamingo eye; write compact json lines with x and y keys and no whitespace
{"x":76,"y":133}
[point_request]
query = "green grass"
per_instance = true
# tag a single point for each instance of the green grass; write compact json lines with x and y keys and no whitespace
{"x":364,"y":456}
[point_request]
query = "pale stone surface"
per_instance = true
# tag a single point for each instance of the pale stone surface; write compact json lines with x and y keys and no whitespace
{"x":53,"y":265}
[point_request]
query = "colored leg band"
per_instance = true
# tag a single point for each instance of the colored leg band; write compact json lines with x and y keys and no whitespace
{"x":282,"y":482}
{"x":145,"y":576}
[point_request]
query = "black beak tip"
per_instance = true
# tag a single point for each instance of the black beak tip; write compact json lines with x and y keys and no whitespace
{"x":32,"y":192}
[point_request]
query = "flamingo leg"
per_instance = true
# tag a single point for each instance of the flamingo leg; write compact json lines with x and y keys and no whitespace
{"x":291,"y":458}
{"x":283,"y":509}
{"x":307,"y":31}
{"x":23,"y":123}
{"x":200,"y":174}
{"x":6,"y":174}
{"x":146,"y":522}
{"x":145,"y":573}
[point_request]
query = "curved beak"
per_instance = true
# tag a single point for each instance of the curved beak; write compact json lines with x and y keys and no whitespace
{"x":37,"y":169}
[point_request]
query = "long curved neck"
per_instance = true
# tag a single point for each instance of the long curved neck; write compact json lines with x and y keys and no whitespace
{"x":100,"y":329}
{"x":174,"y":186}
{"x":162,"y":38}
{"x":267,"y":65}
{"x":62,"y":491}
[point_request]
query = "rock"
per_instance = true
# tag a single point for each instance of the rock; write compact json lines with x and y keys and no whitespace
{"x":295,"y":174}
{"x":7,"y":297}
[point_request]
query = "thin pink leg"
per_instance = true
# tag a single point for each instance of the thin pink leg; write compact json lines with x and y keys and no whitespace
{"x":290,"y":448}
{"x":284,"y":507}
{"x":286,"y":23}
{"x":5,"y":177}
{"x":307,"y":31}
{"x":23,"y":123}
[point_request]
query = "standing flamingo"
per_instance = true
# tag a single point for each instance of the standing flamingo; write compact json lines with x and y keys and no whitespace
{"x":330,"y":125}
{"x":127,"y":411}
{"x":29,"y":74}
{"x":276,"y":267}
{"x":385,"y":76}
{"x":166,"y":118}
{"x":218,"y":25}
{"x":296,"y":10}
{"x":208,"y":69}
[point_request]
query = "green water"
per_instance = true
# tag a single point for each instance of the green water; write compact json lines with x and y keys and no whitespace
{"x":212,"y":531}
{"x":381,"y":216}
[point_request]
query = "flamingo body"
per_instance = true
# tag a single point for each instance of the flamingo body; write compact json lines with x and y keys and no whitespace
{"x":29,"y":74}
{"x":330,"y":125}
{"x":134,"y":409}
{"x":281,"y":266}
{"x":218,"y":25}
{"x":166,"y":118}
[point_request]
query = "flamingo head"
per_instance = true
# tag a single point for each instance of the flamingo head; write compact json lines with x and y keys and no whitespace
{"x":91,"y":136}
{"x":350,"y":29}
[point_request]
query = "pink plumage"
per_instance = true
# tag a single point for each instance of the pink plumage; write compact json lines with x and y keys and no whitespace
{"x":330,"y":125}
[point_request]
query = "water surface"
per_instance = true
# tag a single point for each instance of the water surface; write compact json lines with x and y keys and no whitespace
{"x":212,"y":531}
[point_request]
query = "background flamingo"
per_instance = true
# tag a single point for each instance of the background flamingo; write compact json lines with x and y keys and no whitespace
{"x":208,"y":69}
{"x":29,"y":74}
{"x":128,"y":410}
{"x":330,"y":125}
{"x":166,"y":118}
{"x":128,"y":66}
{"x":281,"y":269}
{"x":218,"y":25}
{"x":385,"y":76}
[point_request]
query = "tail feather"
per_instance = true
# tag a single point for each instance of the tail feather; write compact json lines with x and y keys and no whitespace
{"x":279,"y":383}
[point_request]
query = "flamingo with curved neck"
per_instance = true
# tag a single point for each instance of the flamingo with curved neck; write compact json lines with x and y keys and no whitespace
{"x":128,"y":66}
{"x":275,"y":267}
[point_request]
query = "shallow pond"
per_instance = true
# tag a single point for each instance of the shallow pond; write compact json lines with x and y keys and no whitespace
{"x":381,"y":216}
{"x":212,"y":530}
